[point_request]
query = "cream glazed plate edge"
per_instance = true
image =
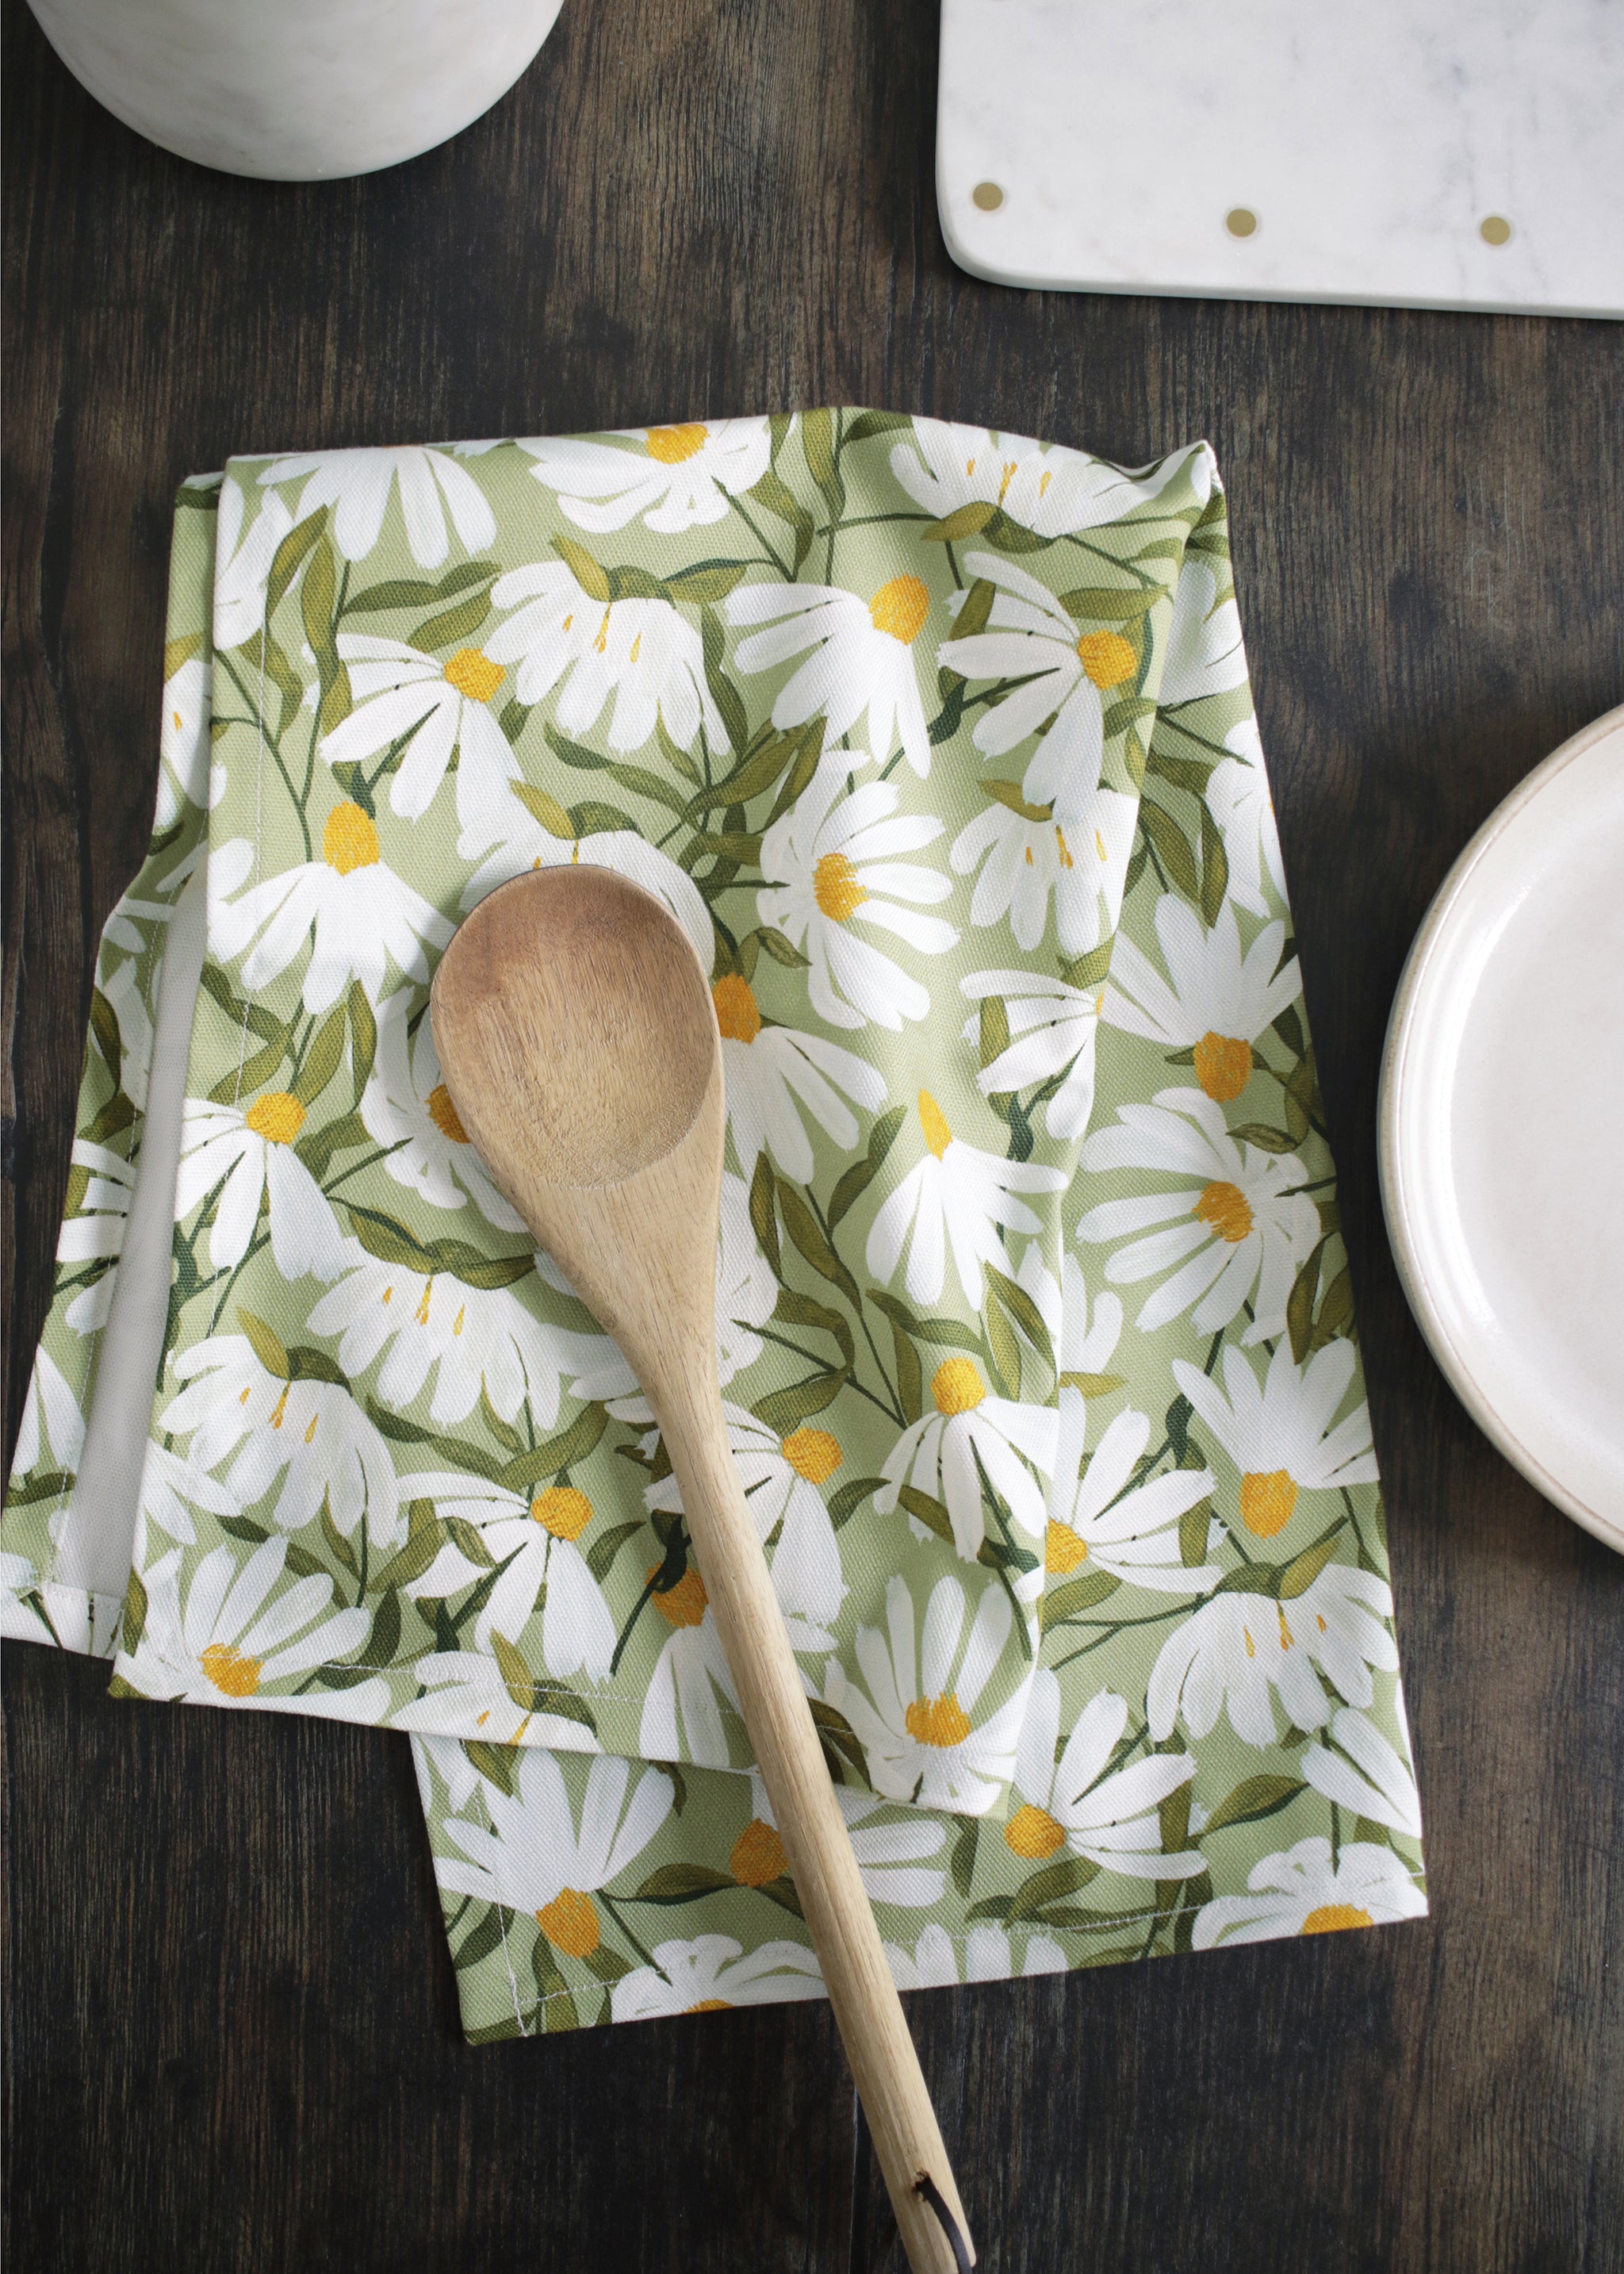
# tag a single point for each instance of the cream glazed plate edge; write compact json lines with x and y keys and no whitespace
{"x":1501,"y":1113}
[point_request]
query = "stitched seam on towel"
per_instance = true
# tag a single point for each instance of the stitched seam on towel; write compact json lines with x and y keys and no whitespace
{"x":146,"y":963}
{"x":502,"y":1922}
{"x":250,"y":993}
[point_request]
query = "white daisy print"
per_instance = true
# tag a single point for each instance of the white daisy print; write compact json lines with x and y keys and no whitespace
{"x":364,"y":917}
{"x":1302,"y":1892}
{"x":52,"y":1426}
{"x":530,"y":1856}
{"x":1100,"y":1520}
{"x":251,"y":1148}
{"x":1029,"y":855}
{"x":690,"y":1683}
{"x":783,"y":1479}
{"x":1204,"y":654}
{"x":1366,"y":1775}
{"x":1279,"y":1434}
{"x":128,"y":999}
{"x":1236,"y":1651}
{"x":184,"y":742}
{"x":1091,"y":1329}
{"x":425,"y":713}
{"x":1238,"y":1226}
{"x":676,"y":477}
{"x":521,"y":842}
{"x":1070,"y":674}
{"x":1073,"y":1799}
{"x":1219,"y":1002}
{"x":890,"y":1853}
{"x":833,"y":862}
{"x":957,"y":1196}
{"x":243,"y":566}
{"x":713,"y":1973}
{"x":1237,"y":792}
{"x":24,"y":1615}
{"x":860,"y":659}
{"x":433,"y":489}
{"x":407,"y":1107}
{"x":92,"y":1231}
{"x":533,"y":1539}
{"x":172,"y":1488}
{"x":1052,"y":491}
{"x":933,"y":1964}
{"x":239,"y":1632}
{"x":938,"y":1455}
{"x":308,"y":1433}
{"x":1052,"y":1029}
{"x":465,"y":1690}
{"x":644,"y":653}
{"x":773,"y":1074}
{"x":472,"y":1339}
{"x":915,"y":1719}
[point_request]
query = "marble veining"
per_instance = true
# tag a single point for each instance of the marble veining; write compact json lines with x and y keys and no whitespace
{"x":1371,"y":143}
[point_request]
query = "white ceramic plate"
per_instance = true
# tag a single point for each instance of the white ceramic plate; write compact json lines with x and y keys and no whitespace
{"x":1502,"y":1128}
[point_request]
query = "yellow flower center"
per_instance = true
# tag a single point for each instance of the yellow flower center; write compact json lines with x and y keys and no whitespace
{"x":1106,"y":658}
{"x":348,"y":840}
{"x":1267,"y":1499}
{"x":900,"y":608}
{"x":443,"y":1115}
{"x":710,"y":2006}
{"x":939,"y":1136}
{"x":1034,"y":1833}
{"x":230,"y":1671}
{"x":1225,"y":1207}
{"x":562,"y":1510}
{"x":758,"y":1856}
{"x":672,"y":445}
{"x":812,"y":1453}
{"x":1222,"y":1066}
{"x":1335,"y":1918}
{"x":570,"y":1922}
{"x":1063,"y":1550}
{"x":474,"y":674}
{"x":683,"y":1605}
{"x":277,"y":1117}
{"x":836,"y":887}
{"x":956,"y":1386}
{"x":737,"y":1013}
{"x":939,"y":1722}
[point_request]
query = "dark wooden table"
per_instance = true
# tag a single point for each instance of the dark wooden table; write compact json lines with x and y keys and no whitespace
{"x":231,"y":2031}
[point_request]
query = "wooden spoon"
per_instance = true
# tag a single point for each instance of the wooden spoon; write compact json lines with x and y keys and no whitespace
{"x":578,"y":1040}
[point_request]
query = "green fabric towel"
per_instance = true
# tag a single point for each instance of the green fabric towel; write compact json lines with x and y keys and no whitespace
{"x":1033,"y":1315}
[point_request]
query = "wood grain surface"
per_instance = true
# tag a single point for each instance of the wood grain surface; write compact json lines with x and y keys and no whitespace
{"x":229,"y":2030}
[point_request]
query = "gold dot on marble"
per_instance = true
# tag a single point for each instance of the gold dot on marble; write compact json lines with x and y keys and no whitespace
{"x":1241,"y":222}
{"x":987,"y":195}
{"x":1496,"y":229}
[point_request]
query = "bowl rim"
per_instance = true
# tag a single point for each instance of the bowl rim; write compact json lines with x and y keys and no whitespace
{"x":1390,"y":1158}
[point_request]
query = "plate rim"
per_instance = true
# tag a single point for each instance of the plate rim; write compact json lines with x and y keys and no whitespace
{"x":1389,"y":1153}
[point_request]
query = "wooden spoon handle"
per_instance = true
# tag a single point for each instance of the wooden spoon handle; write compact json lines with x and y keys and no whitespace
{"x":894,"y":2094}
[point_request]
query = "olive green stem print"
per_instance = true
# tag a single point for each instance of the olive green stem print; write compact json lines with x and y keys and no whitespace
{"x":1032,"y":1316}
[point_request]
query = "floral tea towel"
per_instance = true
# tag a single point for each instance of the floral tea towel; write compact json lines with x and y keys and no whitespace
{"x":892,"y":715}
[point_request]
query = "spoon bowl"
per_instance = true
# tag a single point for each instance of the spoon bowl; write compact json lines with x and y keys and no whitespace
{"x":577,"y":1037}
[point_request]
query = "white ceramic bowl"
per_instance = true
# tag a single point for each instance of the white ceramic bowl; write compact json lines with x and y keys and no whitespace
{"x":1501,"y":1127}
{"x":297,"y":90}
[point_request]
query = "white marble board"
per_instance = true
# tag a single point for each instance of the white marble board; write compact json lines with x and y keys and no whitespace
{"x":1442,"y":154}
